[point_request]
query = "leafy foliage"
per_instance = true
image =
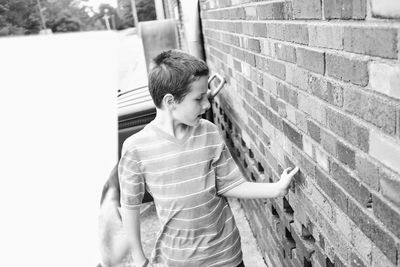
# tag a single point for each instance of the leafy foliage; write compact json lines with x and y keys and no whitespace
{"x":18,"y":17}
{"x":21,"y":17}
{"x":145,"y":11}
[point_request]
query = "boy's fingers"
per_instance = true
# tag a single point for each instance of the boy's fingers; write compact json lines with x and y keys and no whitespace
{"x":294,"y":171}
{"x":287,"y":170}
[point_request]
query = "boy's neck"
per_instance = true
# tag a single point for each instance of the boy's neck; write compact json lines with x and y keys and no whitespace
{"x":165,"y":122}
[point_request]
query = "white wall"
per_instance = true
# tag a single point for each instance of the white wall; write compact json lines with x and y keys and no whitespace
{"x":58,"y":144}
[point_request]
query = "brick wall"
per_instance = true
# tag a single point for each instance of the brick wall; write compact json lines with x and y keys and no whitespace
{"x":314,"y":83}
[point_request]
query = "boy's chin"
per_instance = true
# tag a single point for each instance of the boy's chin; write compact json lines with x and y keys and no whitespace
{"x":195,"y":122}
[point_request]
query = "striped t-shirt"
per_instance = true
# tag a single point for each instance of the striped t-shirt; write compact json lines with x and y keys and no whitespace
{"x":186,"y":179}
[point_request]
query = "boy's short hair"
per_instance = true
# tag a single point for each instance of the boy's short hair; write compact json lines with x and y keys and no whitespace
{"x":172,"y":73}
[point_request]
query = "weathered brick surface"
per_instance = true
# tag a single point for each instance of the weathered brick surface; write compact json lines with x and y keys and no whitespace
{"x":311,"y":59}
{"x":384,"y":150}
{"x":385,"y":78}
{"x":326,"y":36}
{"x":313,"y":84}
{"x":345,"y":9}
{"x":347,"y":128}
{"x":285,"y":52}
{"x":307,"y":9}
{"x":385,"y":8}
{"x":348,"y":69}
{"x":350,"y":184}
{"x":389,"y":184}
{"x":381,"y":238}
{"x":380,"y":42}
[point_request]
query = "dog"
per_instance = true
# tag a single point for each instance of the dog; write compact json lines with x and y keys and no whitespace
{"x":114,"y":246}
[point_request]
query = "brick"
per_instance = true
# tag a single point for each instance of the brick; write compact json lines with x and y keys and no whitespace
{"x":238,"y":27}
{"x":260,"y":94}
{"x":250,"y":59}
{"x":293,"y":135}
{"x":334,"y":94}
{"x":282,"y":108}
{"x":328,"y":142}
{"x":331,"y":190}
{"x":345,"y":9}
{"x":380,"y":259}
{"x":271,"y":11}
{"x":381,"y":42}
{"x":326,"y":36}
{"x":307,"y":9}
{"x":297,"y":77}
{"x":260,"y":29}
{"x":346,"y":155}
{"x":239,"y":54}
{"x":253,"y":45}
{"x":362,"y":244}
{"x":322,"y":158}
{"x":251,"y":12}
{"x":389,"y":184}
{"x":268,"y":48}
{"x":291,"y":114}
{"x":338,"y":262}
{"x":385,"y":150}
{"x":237,"y":65}
{"x":314,"y":131}
{"x":350,"y":184}
{"x":373,"y":231}
{"x":344,"y":224}
{"x":385,"y":78}
{"x":288,"y":94}
{"x":313,"y":107}
{"x":312,"y":60}
{"x":356,"y":261}
{"x":269,"y":84}
{"x":308,"y":146}
{"x":301,"y":122}
{"x":348,"y":129}
{"x":297,"y":33}
{"x":260,"y":62}
{"x":276,"y":31}
{"x":318,"y":86}
{"x":387,"y":214}
{"x":276,"y":68}
{"x":335,"y":242}
{"x":285,"y":52}
{"x":367,"y":171}
{"x":349,"y":69}
{"x":388,"y":9}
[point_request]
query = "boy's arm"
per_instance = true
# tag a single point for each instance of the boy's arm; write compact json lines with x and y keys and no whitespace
{"x":263,"y":190}
{"x":131,"y":223}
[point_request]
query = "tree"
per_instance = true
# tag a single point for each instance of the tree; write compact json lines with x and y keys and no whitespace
{"x":68,"y":16}
{"x":18,"y":17}
{"x":145,"y":9}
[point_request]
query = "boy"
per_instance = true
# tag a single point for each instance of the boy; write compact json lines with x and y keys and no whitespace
{"x":183,"y":162}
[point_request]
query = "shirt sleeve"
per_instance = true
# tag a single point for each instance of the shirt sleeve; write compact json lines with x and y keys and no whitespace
{"x":227,"y":173}
{"x":131,"y":181}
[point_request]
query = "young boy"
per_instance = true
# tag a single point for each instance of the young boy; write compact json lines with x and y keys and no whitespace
{"x":185,"y":165}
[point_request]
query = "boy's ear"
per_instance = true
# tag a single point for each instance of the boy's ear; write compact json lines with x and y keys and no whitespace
{"x":169,"y":101}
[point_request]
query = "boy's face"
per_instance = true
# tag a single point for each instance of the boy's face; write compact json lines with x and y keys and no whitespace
{"x":194,"y":104}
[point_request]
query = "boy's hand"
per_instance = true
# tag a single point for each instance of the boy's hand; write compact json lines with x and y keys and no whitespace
{"x":286,"y":179}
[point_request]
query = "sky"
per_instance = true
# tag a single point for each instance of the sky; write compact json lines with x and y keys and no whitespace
{"x":97,"y":3}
